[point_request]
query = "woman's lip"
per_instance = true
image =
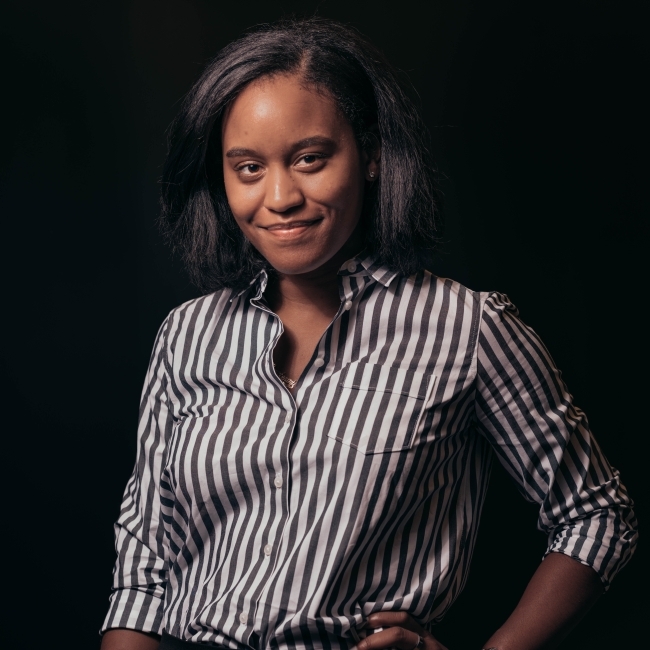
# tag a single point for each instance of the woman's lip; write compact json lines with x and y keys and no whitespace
{"x":293,"y":230}
{"x":292,"y":225}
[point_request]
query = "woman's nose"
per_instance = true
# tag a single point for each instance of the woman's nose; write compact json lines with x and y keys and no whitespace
{"x":282,"y":192}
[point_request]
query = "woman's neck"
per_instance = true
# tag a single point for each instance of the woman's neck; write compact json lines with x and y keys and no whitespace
{"x":317,"y":290}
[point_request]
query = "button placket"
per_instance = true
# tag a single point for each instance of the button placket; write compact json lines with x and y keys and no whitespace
{"x":271,"y":552}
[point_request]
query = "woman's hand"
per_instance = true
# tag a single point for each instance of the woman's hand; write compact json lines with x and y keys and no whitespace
{"x":399,"y":631}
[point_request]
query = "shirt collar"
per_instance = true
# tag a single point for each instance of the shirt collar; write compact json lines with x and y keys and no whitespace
{"x":258,"y":283}
{"x":363,"y":264}
{"x":368,"y":265}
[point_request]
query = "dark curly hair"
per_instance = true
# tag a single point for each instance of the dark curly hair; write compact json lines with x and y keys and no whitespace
{"x":400,"y":210}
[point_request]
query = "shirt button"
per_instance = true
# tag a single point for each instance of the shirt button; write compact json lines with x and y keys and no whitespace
{"x":319,"y":362}
{"x":278,"y":482}
{"x":287,"y":420}
{"x":243,"y":619}
{"x":347,"y":305}
{"x":267,"y":551}
{"x":352,"y":267}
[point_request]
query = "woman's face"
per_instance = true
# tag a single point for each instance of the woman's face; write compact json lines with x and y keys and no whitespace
{"x":293,"y":172}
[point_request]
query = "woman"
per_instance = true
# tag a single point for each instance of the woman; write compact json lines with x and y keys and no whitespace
{"x":315,"y":431}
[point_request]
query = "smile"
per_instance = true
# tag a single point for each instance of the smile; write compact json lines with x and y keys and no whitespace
{"x":291,"y":229}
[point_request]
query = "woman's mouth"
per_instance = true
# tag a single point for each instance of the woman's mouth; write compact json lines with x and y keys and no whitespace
{"x":291,"y":229}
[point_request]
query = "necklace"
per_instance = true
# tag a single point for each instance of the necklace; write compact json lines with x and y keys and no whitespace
{"x":287,"y":381}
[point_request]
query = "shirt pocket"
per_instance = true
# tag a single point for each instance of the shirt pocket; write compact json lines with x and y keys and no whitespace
{"x":379,"y":407}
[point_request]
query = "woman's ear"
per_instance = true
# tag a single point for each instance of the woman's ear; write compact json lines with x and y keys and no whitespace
{"x":372,"y":154}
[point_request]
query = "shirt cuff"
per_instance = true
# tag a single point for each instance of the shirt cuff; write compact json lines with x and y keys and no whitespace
{"x":134,"y":609}
{"x":606,"y":554}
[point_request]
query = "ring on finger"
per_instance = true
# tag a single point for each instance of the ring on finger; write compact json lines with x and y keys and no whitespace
{"x":420,"y":644}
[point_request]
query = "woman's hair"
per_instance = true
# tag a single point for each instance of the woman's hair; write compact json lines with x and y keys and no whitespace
{"x":400,"y":213}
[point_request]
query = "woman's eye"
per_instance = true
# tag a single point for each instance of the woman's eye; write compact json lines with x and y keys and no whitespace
{"x":310,"y":159}
{"x":250,"y":169}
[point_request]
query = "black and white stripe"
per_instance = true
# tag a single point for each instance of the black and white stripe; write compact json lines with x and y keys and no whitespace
{"x":253,"y":519}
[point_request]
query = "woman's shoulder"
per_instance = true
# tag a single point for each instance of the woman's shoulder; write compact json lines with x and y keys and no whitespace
{"x":487,"y":299}
{"x":450,"y":290}
{"x":482,"y":307}
{"x":197,"y":311}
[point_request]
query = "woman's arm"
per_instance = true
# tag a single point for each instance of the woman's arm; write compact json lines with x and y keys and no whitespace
{"x":556,"y":598}
{"x":129,"y":640}
{"x":544,"y":442}
{"x":140,"y":575}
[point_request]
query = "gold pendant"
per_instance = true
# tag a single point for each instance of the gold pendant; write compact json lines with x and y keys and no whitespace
{"x":287,"y":381}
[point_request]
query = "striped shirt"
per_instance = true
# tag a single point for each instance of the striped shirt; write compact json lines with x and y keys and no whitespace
{"x":254,"y":518}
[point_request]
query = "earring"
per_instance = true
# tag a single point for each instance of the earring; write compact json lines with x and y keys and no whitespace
{"x":371,"y":174}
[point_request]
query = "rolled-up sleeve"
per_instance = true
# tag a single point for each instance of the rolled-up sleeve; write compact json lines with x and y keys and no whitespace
{"x":543,"y":440}
{"x":140,"y":574}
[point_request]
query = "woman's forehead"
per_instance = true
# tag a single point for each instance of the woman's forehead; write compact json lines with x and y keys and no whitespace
{"x":279,"y":108}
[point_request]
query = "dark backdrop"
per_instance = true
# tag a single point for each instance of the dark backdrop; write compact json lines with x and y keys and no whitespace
{"x":536,"y":113}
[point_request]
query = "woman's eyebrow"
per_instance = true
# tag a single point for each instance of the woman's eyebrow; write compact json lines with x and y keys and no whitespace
{"x":312,"y":141}
{"x":315,"y":140}
{"x":238,"y":151}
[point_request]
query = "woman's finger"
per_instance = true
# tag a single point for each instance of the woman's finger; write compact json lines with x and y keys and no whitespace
{"x":394,"y":619}
{"x":405,"y":630}
{"x":392,"y":637}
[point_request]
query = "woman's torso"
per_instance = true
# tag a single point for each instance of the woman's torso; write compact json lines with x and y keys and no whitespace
{"x":298,"y":517}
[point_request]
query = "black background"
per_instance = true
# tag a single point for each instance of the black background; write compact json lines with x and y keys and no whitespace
{"x":537,"y":116}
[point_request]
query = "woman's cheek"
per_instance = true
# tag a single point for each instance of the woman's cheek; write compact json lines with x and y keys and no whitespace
{"x":244,"y":200}
{"x":340,"y":188}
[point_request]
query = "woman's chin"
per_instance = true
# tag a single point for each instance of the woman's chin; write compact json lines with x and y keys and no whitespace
{"x":284,"y":268}
{"x":299,"y":263}
{"x":308,"y":253}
